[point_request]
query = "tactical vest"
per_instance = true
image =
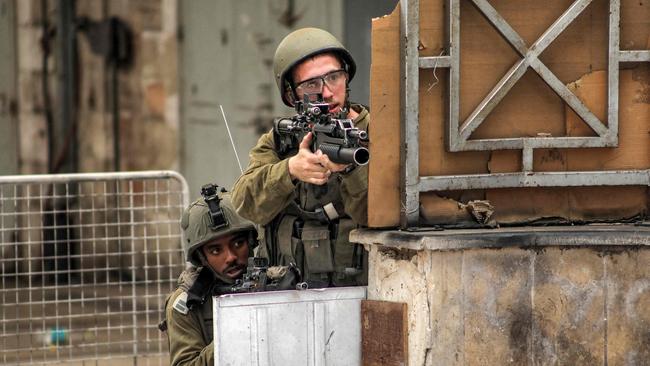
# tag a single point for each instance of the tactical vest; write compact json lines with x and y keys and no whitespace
{"x":313,"y":232}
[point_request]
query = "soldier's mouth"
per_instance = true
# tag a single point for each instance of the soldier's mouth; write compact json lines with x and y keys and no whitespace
{"x":235,"y":272}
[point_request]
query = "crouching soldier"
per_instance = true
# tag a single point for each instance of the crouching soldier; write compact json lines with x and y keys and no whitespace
{"x":218,"y":243}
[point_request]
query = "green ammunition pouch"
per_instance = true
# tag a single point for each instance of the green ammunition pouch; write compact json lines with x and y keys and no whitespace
{"x":321,"y":251}
{"x":313,"y":232}
{"x":317,"y":247}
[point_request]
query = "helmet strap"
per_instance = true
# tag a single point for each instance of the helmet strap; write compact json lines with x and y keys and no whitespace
{"x":291,"y":94}
{"x":252,"y":242}
{"x":346,"y":104}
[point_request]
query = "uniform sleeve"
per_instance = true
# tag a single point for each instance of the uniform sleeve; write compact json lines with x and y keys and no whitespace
{"x":186,"y":345}
{"x":265,"y":188}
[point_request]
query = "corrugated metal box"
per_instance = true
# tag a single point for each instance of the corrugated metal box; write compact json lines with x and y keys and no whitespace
{"x":310,"y":327}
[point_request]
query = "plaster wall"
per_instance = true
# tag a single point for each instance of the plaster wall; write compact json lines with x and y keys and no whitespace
{"x":517,"y":304}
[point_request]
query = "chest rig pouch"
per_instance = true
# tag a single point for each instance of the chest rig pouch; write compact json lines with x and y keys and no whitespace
{"x":313,"y":232}
{"x":316,"y":244}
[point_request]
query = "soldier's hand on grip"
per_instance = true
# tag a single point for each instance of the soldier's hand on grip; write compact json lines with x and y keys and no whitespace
{"x":307,"y":166}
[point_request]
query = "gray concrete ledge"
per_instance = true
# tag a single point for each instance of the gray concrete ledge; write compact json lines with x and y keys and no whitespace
{"x":529,"y":236}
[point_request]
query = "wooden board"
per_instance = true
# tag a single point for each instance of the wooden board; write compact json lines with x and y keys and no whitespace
{"x":384,"y":333}
{"x":578,"y":58}
{"x":383,"y":207}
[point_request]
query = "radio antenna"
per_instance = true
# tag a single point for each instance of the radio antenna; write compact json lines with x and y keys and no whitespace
{"x":231,"y":140}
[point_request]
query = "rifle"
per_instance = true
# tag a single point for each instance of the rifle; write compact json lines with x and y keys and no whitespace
{"x":258,"y":278}
{"x":335,"y":137}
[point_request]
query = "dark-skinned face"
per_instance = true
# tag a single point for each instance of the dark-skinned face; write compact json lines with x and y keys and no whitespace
{"x":228,"y":255}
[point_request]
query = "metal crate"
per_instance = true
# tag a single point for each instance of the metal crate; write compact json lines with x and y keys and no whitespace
{"x":311,"y":328}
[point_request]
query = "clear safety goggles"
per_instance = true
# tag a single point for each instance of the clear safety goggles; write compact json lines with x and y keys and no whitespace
{"x":333,"y":80}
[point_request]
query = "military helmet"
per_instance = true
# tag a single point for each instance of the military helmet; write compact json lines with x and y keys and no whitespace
{"x":300,"y":45}
{"x":198,"y":228}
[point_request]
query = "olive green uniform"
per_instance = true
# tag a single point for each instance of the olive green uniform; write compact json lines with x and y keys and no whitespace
{"x":188,"y":310}
{"x":188,"y":318}
{"x":265,"y":194}
{"x":188,"y":340}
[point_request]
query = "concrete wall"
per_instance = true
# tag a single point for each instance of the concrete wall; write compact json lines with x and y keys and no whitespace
{"x":147,"y":108}
{"x":529,"y":296}
{"x":225,"y":50}
{"x":148,"y":97}
{"x":32,"y":156}
{"x":8,"y":97}
{"x":226,"y":56}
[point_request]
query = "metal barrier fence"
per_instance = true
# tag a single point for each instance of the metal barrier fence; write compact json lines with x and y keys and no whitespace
{"x":87,"y":261}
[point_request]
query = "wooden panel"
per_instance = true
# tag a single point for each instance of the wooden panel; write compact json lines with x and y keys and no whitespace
{"x":587,"y":203}
{"x":578,"y":57}
{"x":383,"y":171}
{"x":384,"y":333}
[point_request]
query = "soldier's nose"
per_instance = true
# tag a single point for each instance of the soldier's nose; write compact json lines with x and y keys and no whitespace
{"x":327,"y":92}
{"x":229,"y":255}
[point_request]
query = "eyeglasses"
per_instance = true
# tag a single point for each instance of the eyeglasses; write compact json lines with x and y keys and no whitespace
{"x":332,"y":79}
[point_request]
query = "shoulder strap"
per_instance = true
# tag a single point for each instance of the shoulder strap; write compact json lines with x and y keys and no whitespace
{"x":200,"y":289}
{"x":206,"y":320}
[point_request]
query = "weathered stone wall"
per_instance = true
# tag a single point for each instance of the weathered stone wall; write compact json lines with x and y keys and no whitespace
{"x":518,"y":297}
{"x":32,"y":130}
{"x":148,"y":91}
{"x":148,"y":114}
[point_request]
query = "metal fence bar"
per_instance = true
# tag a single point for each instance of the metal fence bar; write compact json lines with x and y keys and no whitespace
{"x":432,"y":62}
{"x":410,"y":109}
{"x":550,"y":179}
{"x":613,"y":67}
{"x":87,"y":261}
{"x":634,"y":56}
{"x":535,"y":143}
{"x":517,"y":71}
{"x":453,"y":18}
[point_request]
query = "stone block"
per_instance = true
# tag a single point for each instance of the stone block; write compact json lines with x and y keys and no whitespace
{"x":569,"y":299}
{"x":628,"y":302}
{"x":519,"y":296}
{"x":394,"y":276}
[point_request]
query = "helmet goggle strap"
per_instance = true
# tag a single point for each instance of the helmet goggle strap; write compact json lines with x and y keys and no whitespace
{"x":346,"y":104}
{"x":217,"y":217}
